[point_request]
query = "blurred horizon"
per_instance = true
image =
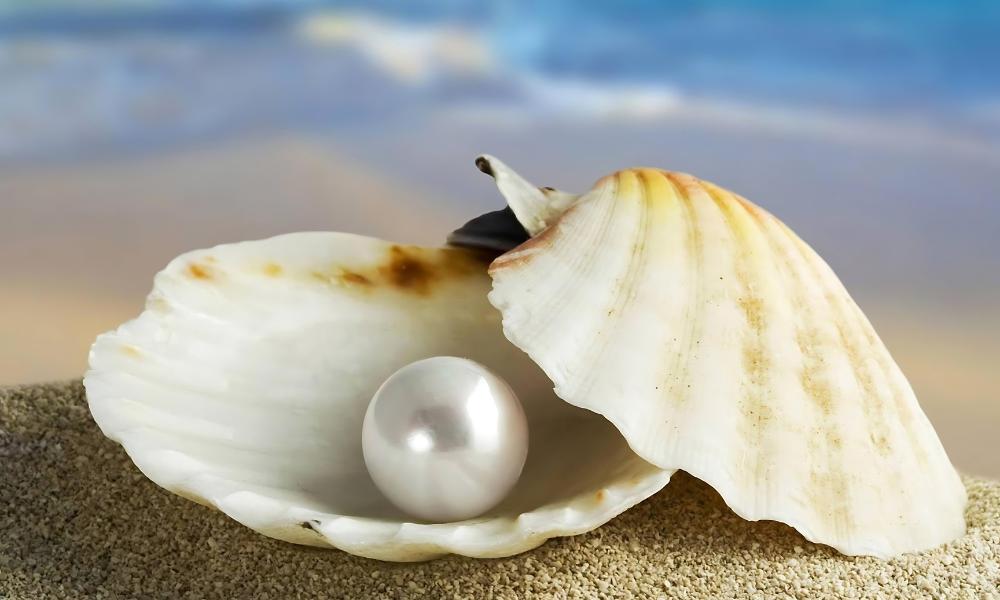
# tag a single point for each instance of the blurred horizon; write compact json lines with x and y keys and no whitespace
{"x":134,"y":130}
{"x":149,"y":73}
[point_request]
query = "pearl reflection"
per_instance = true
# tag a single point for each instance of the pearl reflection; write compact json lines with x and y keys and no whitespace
{"x":482,"y":410}
{"x":420,"y":441}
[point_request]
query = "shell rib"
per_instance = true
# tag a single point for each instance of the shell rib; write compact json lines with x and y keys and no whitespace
{"x":244,"y":383}
{"x":719,"y":343}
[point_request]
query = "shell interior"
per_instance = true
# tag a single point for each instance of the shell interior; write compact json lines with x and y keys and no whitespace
{"x":244,"y":383}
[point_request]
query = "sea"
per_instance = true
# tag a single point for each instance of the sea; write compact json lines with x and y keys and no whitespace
{"x":121,"y":76}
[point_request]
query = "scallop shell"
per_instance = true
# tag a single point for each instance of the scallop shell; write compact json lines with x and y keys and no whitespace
{"x":718,"y":342}
{"x":244,"y":383}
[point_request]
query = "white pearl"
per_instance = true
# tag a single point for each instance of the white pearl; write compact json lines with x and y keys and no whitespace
{"x":445,"y":439}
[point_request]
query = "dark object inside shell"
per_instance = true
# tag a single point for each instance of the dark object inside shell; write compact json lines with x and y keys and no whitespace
{"x":497,"y":231}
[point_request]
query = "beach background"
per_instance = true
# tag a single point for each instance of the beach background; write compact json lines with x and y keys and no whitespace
{"x":134,"y":130}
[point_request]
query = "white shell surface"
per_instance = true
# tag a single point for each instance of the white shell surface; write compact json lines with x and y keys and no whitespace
{"x":244,"y":383}
{"x":718,"y":342}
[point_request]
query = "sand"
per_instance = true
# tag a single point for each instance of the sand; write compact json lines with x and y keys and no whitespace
{"x":77,"y":519}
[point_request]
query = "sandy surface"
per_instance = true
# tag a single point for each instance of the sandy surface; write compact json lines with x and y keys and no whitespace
{"x":79,"y":520}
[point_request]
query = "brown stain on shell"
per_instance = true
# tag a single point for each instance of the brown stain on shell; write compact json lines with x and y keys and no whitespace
{"x":406,"y":269}
{"x":353,"y":278}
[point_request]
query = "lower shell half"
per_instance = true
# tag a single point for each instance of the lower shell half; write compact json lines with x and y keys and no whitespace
{"x":244,"y":383}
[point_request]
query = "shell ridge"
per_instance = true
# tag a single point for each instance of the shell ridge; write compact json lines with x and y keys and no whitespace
{"x":834,"y":297}
{"x":830,"y":485}
{"x":694,"y":295}
{"x":599,"y":212}
{"x":913,"y":422}
{"x":564,"y":290}
{"x":626,"y":290}
{"x":757,"y":412}
{"x":893,"y":371}
{"x":875,"y":411}
{"x":684,"y":356}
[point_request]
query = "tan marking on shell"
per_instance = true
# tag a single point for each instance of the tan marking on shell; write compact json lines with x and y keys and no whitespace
{"x":904,"y":411}
{"x":874,"y":411}
{"x":353,"y":278}
{"x":828,"y":490}
{"x":157,"y":303}
{"x":828,"y":495}
{"x":694,"y":246}
{"x":200,"y":271}
{"x":273,"y":269}
{"x":757,"y":412}
{"x":816,"y":388}
{"x":342,"y":277}
{"x":131,"y":351}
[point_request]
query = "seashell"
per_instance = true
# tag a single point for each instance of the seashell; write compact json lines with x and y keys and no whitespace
{"x":244,"y":383}
{"x":718,"y":342}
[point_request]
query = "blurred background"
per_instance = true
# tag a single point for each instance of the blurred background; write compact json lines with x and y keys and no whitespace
{"x":134,"y":130}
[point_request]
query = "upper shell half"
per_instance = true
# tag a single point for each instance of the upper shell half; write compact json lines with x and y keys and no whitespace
{"x":244,"y":383}
{"x":718,"y":342}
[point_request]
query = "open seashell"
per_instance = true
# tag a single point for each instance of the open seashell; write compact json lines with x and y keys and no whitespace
{"x":244,"y":383}
{"x":718,"y":342}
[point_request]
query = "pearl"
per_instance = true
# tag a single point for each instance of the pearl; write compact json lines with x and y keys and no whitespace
{"x":445,"y":439}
